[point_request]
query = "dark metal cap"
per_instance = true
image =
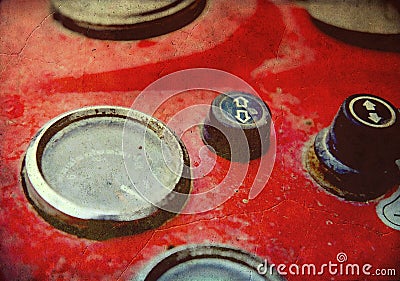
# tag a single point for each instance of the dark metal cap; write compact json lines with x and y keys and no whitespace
{"x":238,"y":126}
{"x":365,"y":132}
{"x":355,"y":157}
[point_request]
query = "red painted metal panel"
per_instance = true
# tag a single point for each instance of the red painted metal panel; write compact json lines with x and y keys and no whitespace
{"x":301,"y":73}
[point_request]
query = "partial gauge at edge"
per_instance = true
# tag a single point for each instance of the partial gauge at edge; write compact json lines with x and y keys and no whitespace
{"x":202,"y":262}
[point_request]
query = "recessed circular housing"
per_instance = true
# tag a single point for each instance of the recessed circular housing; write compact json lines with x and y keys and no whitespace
{"x":126,"y":19}
{"x":75,"y":174}
{"x":373,"y":24}
{"x":207,"y":262}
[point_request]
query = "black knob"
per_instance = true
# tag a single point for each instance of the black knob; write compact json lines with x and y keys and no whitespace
{"x":238,"y":126}
{"x":357,"y":153}
{"x":365,"y":133}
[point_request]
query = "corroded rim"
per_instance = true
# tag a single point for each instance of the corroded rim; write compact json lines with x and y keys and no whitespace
{"x":337,"y":178}
{"x":127,"y":22}
{"x":76,"y":218}
{"x":356,"y":15}
{"x":196,"y":252}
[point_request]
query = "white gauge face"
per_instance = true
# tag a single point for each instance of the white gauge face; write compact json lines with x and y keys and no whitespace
{"x":83,"y":170}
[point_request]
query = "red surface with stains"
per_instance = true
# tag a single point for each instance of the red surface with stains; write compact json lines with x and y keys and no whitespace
{"x":301,"y":73}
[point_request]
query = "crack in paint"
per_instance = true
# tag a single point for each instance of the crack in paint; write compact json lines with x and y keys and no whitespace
{"x":157,"y":231}
{"x":135,"y":256}
{"x":29,"y":36}
{"x":291,"y":53}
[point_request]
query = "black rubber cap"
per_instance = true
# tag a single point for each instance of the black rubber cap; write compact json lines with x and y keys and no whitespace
{"x":365,"y":133}
{"x":238,"y":126}
{"x":358,"y":152}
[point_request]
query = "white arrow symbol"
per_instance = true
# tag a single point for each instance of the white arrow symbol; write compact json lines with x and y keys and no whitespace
{"x":369,"y":105}
{"x":374,"y":117}
{"x":245,"y":114}
{"x":241,"y":102}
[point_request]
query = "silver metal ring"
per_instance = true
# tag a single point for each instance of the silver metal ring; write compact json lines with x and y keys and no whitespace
{"x":75,"y":174}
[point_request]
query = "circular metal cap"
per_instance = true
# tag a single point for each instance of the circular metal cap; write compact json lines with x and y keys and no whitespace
{"x":75,"y":174}
{"x":373,"y":16}
{"x":373,"y":24}
{"x":126,"y":19}
{"x":208,"y":262}
{"x":238,"y":126}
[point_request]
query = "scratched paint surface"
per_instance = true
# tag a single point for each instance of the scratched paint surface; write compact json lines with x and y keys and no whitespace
{"x":301,"y":73}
